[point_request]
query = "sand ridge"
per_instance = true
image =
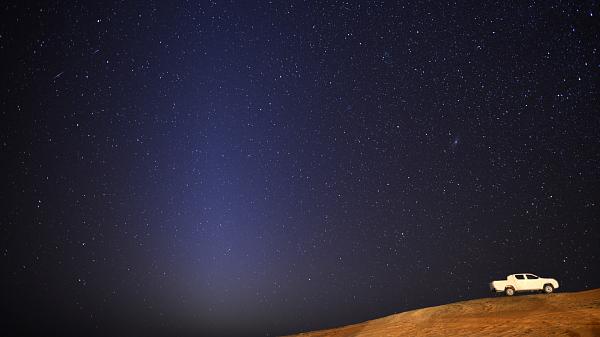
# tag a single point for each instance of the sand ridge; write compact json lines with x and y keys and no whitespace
{"x":558,"y":314}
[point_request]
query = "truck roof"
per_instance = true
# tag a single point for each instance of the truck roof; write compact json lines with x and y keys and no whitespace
{"x":521,"y":274}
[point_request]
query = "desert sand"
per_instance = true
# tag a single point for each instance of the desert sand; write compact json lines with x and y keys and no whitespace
{"x":557,"y":314}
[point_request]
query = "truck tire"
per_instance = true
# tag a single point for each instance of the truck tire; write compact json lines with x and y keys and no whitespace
{"x":509,"y":291}
{"x":548,"y":288}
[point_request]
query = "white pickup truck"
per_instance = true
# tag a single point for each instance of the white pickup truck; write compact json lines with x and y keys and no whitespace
{"x":523,"y":282}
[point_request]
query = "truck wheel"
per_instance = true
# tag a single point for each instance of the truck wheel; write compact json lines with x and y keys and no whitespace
{"x":509,"y":291}
{"x":548,"y":288}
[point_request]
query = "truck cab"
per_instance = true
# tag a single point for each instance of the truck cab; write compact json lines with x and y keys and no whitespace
{"x":523,"y":282}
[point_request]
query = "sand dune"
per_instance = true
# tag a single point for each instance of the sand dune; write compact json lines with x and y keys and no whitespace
{"x":558,"y":314}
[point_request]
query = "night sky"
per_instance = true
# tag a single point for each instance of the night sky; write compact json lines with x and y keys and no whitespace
{"x":255,"y":169}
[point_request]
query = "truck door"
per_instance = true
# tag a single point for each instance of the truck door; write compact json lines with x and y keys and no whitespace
{"x":520,"y":282}
{"x":533,"y":282}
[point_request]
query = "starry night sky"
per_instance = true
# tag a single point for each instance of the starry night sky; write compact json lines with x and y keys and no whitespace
{"x":238,"y":168}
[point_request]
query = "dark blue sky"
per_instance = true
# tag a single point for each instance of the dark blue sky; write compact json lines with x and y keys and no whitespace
{"x":240,"y":168}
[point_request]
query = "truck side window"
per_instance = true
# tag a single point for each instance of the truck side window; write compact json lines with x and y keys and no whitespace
{"x":520,"y":277}
{"x":532,"y":277}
